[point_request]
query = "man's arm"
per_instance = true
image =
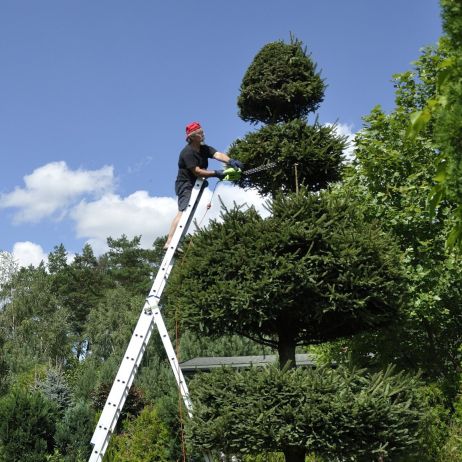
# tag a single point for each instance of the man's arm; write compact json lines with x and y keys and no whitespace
{"x":221,"y":156}
{"x":236,"y":164}
{"x":200,"y":172}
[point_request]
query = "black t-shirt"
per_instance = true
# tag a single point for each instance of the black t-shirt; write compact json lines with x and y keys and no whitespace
{"x":190,"y":158}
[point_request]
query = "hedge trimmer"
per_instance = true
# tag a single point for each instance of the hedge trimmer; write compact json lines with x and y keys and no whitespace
{"x":234,"y":174}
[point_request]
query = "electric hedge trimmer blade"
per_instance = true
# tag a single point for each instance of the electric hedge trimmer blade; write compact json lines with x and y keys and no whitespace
{"x":233,"y":174}
{"x":258,"y":169}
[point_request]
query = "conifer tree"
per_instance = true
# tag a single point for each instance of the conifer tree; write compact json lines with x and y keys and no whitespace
{"x":129,"y":265}
{"x":280,"y":88}
{"x":55,"y":388}
{"x":27,"y":426}
{"x":74,"y":430}
{"x":315,"y":269}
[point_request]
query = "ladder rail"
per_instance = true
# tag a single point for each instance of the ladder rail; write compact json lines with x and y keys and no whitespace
{"x":182,"y":228}
{"x":150,"y":316}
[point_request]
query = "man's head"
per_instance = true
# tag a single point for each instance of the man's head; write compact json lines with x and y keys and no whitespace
{"x":194,"y":131}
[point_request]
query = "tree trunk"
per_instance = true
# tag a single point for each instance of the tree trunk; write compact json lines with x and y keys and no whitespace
{"x":286,"y":349}
{"x":294,"y":454}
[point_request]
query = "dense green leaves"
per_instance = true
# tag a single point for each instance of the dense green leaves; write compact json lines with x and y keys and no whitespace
{"x":33,"y":321}
{"x":145,"y":439}
{"x":394,"y":175}
{"x":74,"y":430}
{"x":55,"y":388}
{"x":27,"y":426}
{"x":444,"y":109}
{"x":281,"y":84}
{"x":313,"y":271}
{"x":341,"y":414}
{"x":129,"y":265}
{"x":112,"y":321}
{"x":308,"y":155}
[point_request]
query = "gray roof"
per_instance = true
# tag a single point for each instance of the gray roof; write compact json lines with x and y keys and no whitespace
{"x":238,"y":362}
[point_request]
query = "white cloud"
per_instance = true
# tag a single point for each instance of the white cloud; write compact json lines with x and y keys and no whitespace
{"x":112,"y":215}
{"x":52,"y":188}
{"x":27,"y":253}
{"x":150,"y":217}
{"x":346,"y":130}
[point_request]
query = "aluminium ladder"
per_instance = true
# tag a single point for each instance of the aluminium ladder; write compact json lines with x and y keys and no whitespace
{"x":149,"y":316}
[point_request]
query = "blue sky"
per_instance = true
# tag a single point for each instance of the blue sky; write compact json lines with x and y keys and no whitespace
{"x":95,"y":95}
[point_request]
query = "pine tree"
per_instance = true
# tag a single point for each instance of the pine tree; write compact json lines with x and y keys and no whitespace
{"x":27,"y":426}
{"x":74,"y":431}
{"x":129,"y":265}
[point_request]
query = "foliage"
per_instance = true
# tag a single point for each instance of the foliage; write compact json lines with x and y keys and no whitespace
{"x":62,"y":331}
{"x":112,"y":321}
{"x":171,"y":411}
{"x":266,"y":457}
{"x":193,"y":345}
{"x":32,"y":321}
{"x":129,"y":266}
{"x":27,"y":426}
{"x":444,"y":109}
{"x":337,"y":413}
{"x":315,"y":149}
{"x":394,"y":174}
{"x":281,"y":84}
{"x":83,"y":378}
{"x":74,"y":431}
{"x":8,"y":267}
{"x":79,"y":286}
{"x":452,"y":449}
{"x":134,"y":403}
{"x":311,"y":272}
{"x":158,"y":371}
{"x":145,"y":439}
{"x":56,"y":457}
{"x":4,"y":368}
{"x":55,"y":388}
{"x":435,"y":431}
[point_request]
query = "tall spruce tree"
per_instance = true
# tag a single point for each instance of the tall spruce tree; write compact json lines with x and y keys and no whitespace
{"x":314,"y":270}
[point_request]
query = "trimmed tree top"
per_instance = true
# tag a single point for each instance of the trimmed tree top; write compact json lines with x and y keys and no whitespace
{"x":281,"y":84}
{"x":316,"y":150}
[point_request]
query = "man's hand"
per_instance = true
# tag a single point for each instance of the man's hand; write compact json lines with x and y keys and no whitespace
{"x":220,"y":174}
{"x":237,"y":164}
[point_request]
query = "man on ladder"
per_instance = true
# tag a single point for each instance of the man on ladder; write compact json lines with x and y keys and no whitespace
{"x":193,"y":163}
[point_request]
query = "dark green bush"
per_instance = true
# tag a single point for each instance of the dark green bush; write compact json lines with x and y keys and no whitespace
{"x":341,"y":414}
{"x":281,"y":84}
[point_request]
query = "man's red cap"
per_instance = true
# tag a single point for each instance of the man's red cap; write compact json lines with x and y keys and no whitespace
{"x":192,"y":127}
